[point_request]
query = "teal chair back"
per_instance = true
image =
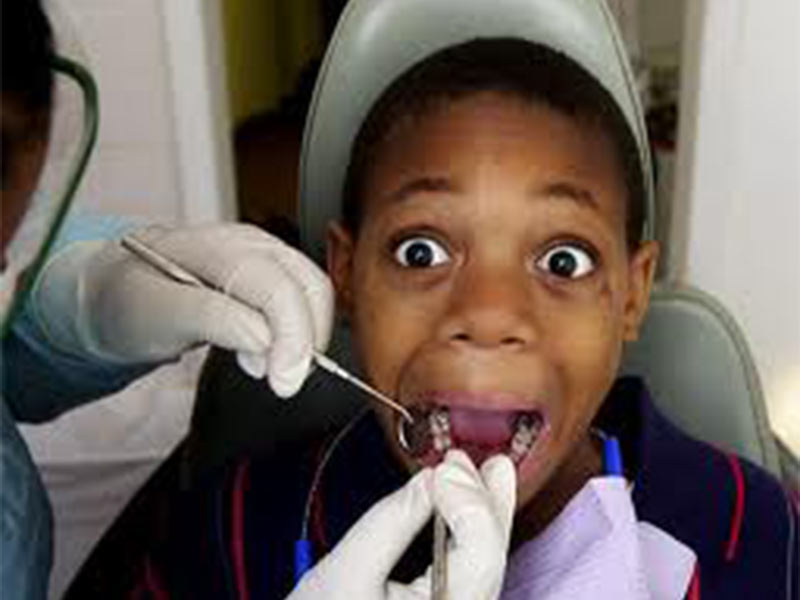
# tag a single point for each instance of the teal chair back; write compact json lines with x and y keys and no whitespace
{"x":699,"y":368}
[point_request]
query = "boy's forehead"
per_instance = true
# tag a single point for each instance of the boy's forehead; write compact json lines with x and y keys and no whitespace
{"x":449,"y":145}
{"x":489,"y":115}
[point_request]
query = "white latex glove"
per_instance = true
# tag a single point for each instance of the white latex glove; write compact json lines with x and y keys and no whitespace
{"x":479,"y":510}
{"x":272,"y":304}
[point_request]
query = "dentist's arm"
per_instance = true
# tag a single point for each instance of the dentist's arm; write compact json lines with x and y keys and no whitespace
{"x":478,"y":507}
{"x":270,"y":303}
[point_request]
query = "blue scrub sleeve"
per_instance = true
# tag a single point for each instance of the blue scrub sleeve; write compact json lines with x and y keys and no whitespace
{"x":40,"y":382}
{"x":26,"y":521}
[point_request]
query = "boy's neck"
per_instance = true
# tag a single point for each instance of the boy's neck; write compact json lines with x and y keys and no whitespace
{"x":585,"y":462}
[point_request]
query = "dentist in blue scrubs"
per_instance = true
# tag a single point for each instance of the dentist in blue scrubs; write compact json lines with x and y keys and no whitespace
{"x":82,"y":318}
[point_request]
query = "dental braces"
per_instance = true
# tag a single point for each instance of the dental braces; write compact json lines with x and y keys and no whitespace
{"x":431,"y":430}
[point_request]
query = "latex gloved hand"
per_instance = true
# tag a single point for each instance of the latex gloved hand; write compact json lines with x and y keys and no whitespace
{"x":270,"y":303}
{"x":479,"y":510}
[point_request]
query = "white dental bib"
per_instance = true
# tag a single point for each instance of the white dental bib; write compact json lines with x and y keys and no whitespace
{"x":596,"y":549}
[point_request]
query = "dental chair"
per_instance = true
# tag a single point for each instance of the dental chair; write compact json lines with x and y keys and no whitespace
{"x":701,"y":373}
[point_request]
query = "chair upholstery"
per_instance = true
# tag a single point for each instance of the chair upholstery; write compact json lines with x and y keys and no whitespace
{"x":697,"y":364}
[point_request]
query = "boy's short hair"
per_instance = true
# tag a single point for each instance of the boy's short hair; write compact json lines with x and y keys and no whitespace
{"x":520,"y":68}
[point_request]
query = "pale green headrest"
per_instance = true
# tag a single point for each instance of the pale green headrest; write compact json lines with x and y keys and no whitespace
{"x":378,"y":40}
{"x":698,"y":366}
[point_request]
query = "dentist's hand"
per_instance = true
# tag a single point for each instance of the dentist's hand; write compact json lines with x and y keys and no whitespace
{"x":479,"y":510}
{"x":272,"y":304}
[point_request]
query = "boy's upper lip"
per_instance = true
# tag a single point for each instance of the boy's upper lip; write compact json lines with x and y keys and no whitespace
{"x":480,"y":400}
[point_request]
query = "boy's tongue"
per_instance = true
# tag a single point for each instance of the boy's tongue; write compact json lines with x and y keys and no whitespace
{"x":486,"y":428}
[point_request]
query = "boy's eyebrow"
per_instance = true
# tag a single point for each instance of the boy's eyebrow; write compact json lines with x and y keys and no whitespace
{"x":423,"y":184}
{"x":567,"y":190}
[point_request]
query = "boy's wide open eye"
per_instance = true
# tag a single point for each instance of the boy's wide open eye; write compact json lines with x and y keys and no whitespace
{"x":568,"y":261}
{"x":420,"y":252}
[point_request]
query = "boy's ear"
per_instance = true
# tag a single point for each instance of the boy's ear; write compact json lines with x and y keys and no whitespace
{"x":641,"y":273}
{"x":339,"y":258}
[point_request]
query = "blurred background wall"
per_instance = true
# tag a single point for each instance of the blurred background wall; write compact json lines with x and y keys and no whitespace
{"x":736,"y":208}
{"x":268,"y":42}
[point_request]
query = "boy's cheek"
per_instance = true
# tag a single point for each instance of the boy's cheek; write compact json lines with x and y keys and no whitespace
{"x":387,"y":336}
{"x":528,"y":486}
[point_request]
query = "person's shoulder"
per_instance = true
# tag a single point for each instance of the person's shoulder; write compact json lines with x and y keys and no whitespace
{"x":758,"y":553}
{"x":768,"y":518}
{"x":745,"y":497}
{"x":734,"y":514}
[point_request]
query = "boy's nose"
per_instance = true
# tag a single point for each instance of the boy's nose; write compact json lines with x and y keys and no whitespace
{"x":491,"y":310}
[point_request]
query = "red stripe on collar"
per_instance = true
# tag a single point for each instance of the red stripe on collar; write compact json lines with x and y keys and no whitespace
{"x":738,"y":511}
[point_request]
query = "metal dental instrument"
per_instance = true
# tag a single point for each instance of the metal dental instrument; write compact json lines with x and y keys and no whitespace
{"x":144,"y":252}
{"x":332,"y":367}
{"x":181,"y":275}
{"x":439,"y":567}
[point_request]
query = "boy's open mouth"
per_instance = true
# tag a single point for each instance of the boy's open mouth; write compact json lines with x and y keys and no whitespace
{"x":479,"y":432}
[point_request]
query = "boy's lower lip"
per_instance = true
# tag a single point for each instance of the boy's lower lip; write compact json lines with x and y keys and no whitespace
{"x":524,"y":467}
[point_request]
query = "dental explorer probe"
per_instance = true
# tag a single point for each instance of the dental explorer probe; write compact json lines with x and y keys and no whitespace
{"x":174,"y":271}
{"x":332,"y":367}
{"x":439,"y":567}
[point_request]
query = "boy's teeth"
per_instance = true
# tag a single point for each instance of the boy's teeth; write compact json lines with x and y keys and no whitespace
{"x":441,"y":418}
{"x":532,"y":421}
{"x":439,"y":422}
{"x":528,"y":427}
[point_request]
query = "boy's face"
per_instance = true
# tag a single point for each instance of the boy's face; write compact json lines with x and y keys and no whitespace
{"x":490,"y":279}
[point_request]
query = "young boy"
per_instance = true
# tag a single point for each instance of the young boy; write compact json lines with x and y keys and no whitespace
{"x":489,"y":260}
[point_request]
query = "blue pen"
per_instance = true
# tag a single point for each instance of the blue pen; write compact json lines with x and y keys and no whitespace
{"x":612,"y":456}
{"x":303,"y":558}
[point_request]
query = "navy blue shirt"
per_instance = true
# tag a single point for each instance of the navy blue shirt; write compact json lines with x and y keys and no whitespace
{"x":233,"y":535}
